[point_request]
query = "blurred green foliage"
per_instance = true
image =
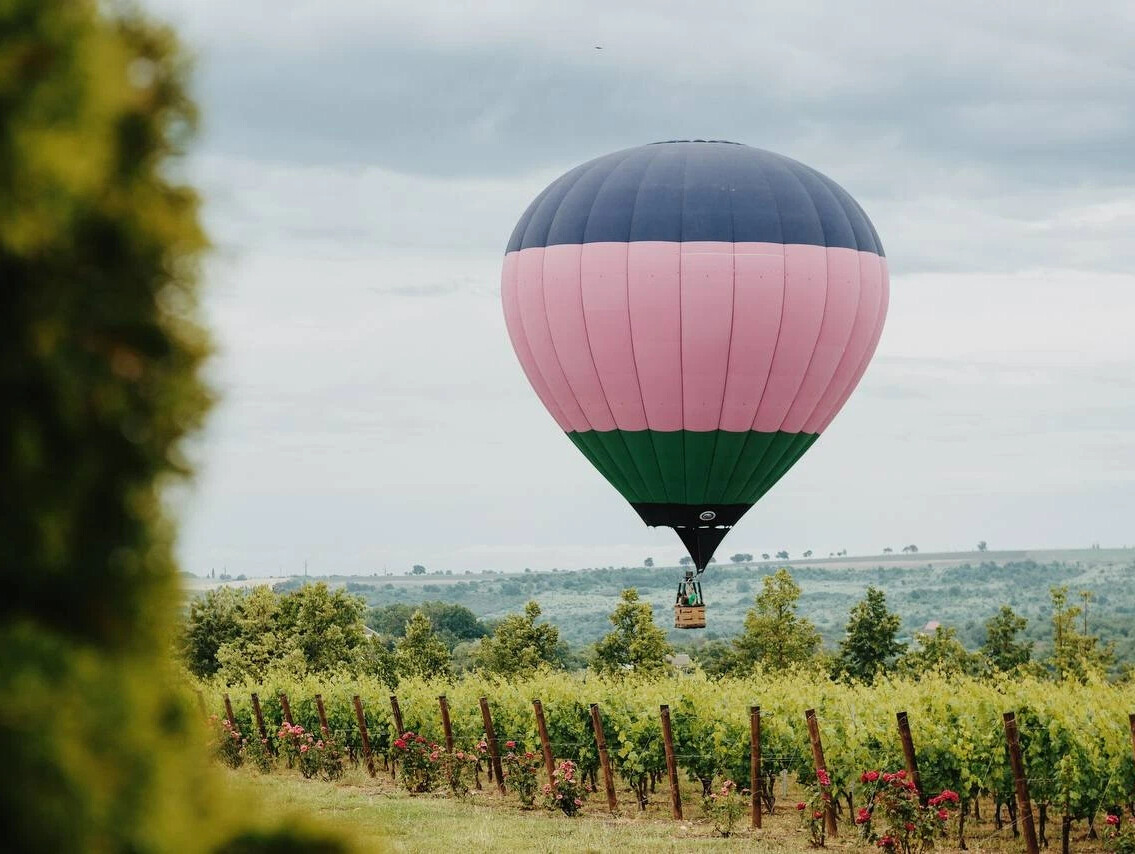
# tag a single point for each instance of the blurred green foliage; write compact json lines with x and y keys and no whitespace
{"x":99,"y":353}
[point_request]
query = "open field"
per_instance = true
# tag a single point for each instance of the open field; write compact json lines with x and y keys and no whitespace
{"x":383,"y":818}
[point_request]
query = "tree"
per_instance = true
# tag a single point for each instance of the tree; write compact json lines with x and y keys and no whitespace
{"x":765,"y":556}
{"x":519,"y":645}
{"x":869,"y":643}
{"x":685,"y":560}
{"x":1001,"y":647}
{"x":418,"y":569}
{"x":715,"y":657}
{"x":942,"y":652}
{"x":911,"y":549}
{"x":808,"y":553}
{"x":420,"y":652}
{"x":982,"y":545}
{"x":1075,"y":654}
{"x":649,"y":562}
{"x":635,"y":644}
{"x":740,"y":557}
{"x":453,"y":623}
{"x":888,"y":550}
{"x":102,"y":350}
{"x":213,"y":620}
{"x":775,"y":637}
{"x":325,"y":626}
{"x":782,"y":555}
{"x":242,"y":634}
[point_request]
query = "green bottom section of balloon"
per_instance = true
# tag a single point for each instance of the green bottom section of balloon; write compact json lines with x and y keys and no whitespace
{"x":684,"y":467}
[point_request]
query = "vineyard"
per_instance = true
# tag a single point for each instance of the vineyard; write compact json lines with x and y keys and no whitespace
{"x":1076,"y":741}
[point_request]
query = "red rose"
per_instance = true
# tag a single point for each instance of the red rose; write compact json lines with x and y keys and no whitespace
{"x":801,"y":805}
{"x":1113,"y":820}
{"x":943,"y":814}
{"x":863,"y":816}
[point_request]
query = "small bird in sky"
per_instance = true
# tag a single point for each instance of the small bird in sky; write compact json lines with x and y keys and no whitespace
{"x":598,"y":47}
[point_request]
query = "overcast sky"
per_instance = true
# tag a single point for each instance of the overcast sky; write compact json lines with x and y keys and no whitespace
{"x":363,"y":164}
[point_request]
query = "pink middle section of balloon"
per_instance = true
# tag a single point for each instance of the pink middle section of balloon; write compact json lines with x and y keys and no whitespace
{"x":695,"y":336}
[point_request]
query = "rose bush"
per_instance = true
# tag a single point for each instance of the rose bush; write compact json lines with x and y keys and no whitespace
{"x":418,"y":761}
{"x":458,"y":768}
{"x":1117,"y":837}
{"x":812,"y":810}
{"x":725,"y":807}
{"x":568,"y":792}
{"x":894,"y":817}
{"x":226,"y":742}
{"x":521,"y":770}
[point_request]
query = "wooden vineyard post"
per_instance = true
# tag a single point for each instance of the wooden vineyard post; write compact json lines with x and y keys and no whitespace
{"x":287,"y":707}
{"x":361,"y":718}
{"x":1024,"y":806}
{"x":491,"y":735}
{"x":396,"y":710}
{"x":909,"y":756}
{"x":229,"y":710}
{"x":818,"y":760}
{"x":323,"y":728}
{"x":755,"y":763}
{"x":259,"y":716}
{"x":671,"y":763}
{"x":446,"y":725}
{"x":546,"y":744}
{"x":1131,"y":721}
{"x":604,"y":759}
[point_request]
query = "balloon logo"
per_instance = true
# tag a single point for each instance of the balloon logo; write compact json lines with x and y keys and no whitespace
{"x":693,"y":315}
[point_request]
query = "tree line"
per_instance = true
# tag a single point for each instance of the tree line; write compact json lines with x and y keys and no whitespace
{"x":243,"y":635}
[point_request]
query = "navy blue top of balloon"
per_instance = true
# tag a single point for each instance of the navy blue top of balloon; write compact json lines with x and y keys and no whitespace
{"x":692,"y":191}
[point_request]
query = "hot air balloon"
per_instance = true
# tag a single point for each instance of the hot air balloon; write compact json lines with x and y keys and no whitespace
{"x":693,"y":314}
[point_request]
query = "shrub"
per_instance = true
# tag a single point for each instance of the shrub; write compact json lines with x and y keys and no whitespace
{"x":258,"y":754}
{"x":1117,"y":838}
{"x":567,"y":792}
{"x":298,"y":745}
{"x":521,"y":770}
{"x":418,"y":762}
{"x":725,"y":807}
{"x":812,"y":810}
{"x":457,"y":767}
{"x":894,"y":817}
{"x":227,"y":743}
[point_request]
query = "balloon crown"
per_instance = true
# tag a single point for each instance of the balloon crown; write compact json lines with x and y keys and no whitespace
{"x":716,"y":141}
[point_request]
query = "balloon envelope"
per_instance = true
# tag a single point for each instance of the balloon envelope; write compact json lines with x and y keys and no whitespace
{"x":693,"y":315}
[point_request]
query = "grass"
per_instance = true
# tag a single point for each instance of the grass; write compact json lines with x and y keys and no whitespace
{"x":380,"y":817}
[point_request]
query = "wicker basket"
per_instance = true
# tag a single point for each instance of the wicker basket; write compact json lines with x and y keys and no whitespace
{"x":689,"y":616}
